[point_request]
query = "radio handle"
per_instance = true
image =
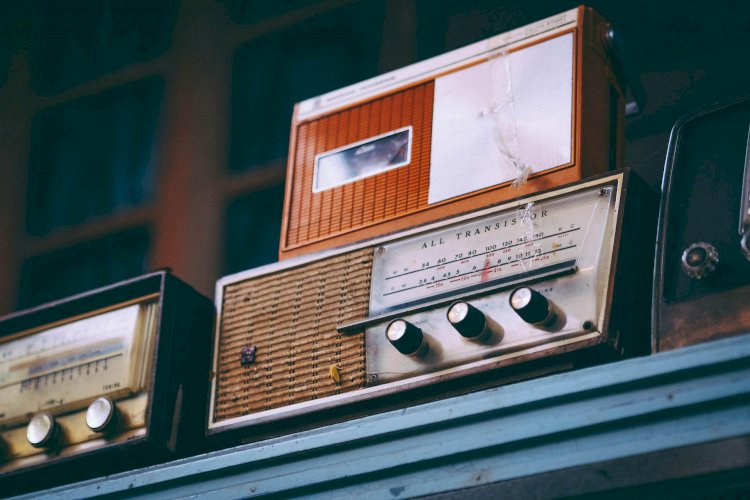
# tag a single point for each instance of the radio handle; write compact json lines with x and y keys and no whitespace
{"x":635,"y":92}
{"x":745,"y":202}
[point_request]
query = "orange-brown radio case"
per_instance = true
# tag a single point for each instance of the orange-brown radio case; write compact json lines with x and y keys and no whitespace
{"x":540,"y":104}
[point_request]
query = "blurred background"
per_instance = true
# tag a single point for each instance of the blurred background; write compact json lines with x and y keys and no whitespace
{"x":140,"y":134}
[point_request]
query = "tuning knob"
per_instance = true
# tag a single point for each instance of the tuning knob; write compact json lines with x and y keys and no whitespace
{"x":42,"y":430}
{"x":699,"y":260}
{"x":101,"y":414}
{"x":406,"y":338}
{"x":469,"y":321}
{"x":532,"y":306}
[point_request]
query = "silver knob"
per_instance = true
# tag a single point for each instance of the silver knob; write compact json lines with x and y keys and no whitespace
{"x":42,"y":430}
{"x":101,"y":414}
{"x":699,"y":260}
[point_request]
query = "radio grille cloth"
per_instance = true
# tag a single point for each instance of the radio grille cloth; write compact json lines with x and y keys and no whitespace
{"x":315,"y":216}
{"x":291,"y":317}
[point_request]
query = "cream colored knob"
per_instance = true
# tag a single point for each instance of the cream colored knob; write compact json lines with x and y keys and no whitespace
{"x":42,"y":430}
{"x":101,"y":414}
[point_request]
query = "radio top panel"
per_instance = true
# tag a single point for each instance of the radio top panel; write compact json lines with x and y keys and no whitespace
{"x":521,"y":112}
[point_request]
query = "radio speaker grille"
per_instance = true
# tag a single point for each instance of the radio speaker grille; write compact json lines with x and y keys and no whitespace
{"x":290,"y":319}
{"x":315,"y":216}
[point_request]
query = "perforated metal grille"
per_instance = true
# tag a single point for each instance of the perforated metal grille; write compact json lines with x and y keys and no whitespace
{"x":315,"y":216}
{"x":290,"y":317}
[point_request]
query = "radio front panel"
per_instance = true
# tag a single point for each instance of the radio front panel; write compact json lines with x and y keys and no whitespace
{"x":90,"y":384}
{"x":62,"y":369}
{"x":565,"y":243}
{"x":292,"y":315}
{"x":532,"y":279}
{"x":495,"y":120}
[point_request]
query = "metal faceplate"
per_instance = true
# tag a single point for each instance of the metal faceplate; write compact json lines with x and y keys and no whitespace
{"x":60,"y":368}
{"x":559,"y":245}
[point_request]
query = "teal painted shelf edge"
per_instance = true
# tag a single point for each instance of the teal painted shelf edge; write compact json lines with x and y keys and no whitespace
{"x":680,"y":398}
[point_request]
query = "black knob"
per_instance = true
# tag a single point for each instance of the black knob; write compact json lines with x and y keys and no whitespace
{"x":469,"y":321}
{"x":405,"y":337}
{"x":699,"y":260}
{"x":532,"y":306}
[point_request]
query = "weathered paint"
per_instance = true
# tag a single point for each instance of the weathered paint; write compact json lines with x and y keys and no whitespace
{"x":678,"y":398}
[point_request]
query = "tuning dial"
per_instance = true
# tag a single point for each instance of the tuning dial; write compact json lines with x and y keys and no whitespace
{"x":469,"y":321}
{"x":532,"y":306}
{"x":406,"y":338}
{"x":699,"y":260}
{"x":101,"y":414}
{"x":42,"y":430}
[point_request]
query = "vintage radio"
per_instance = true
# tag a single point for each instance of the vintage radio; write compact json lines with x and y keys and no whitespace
{"x":524,"y":111}
{"x":537,"y":284}
{"x":702,"y":272}
{"x":99,"y":381}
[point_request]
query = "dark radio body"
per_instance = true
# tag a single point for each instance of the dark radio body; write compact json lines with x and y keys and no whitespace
{"x":702,"y":272}
{"x":103,"y":381}
{"x":532,"y":286}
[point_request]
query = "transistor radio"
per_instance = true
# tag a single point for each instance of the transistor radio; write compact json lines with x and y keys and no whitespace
{"x":521,"y":112}
{"x":99,"y":381}
{"x":702,"y":272}
{"x":543,"y":282}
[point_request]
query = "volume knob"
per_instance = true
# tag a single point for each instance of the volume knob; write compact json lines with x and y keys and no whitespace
{"x":532,"y":306}
{"x":406,"y":338}
{"x":469,"y":321}
{"x":699,"y":260}
{"x":42,"y":430}
{"x":101,"y":414}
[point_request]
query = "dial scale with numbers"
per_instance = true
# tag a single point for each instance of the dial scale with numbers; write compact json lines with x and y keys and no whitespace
{"x":90,"y":383}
